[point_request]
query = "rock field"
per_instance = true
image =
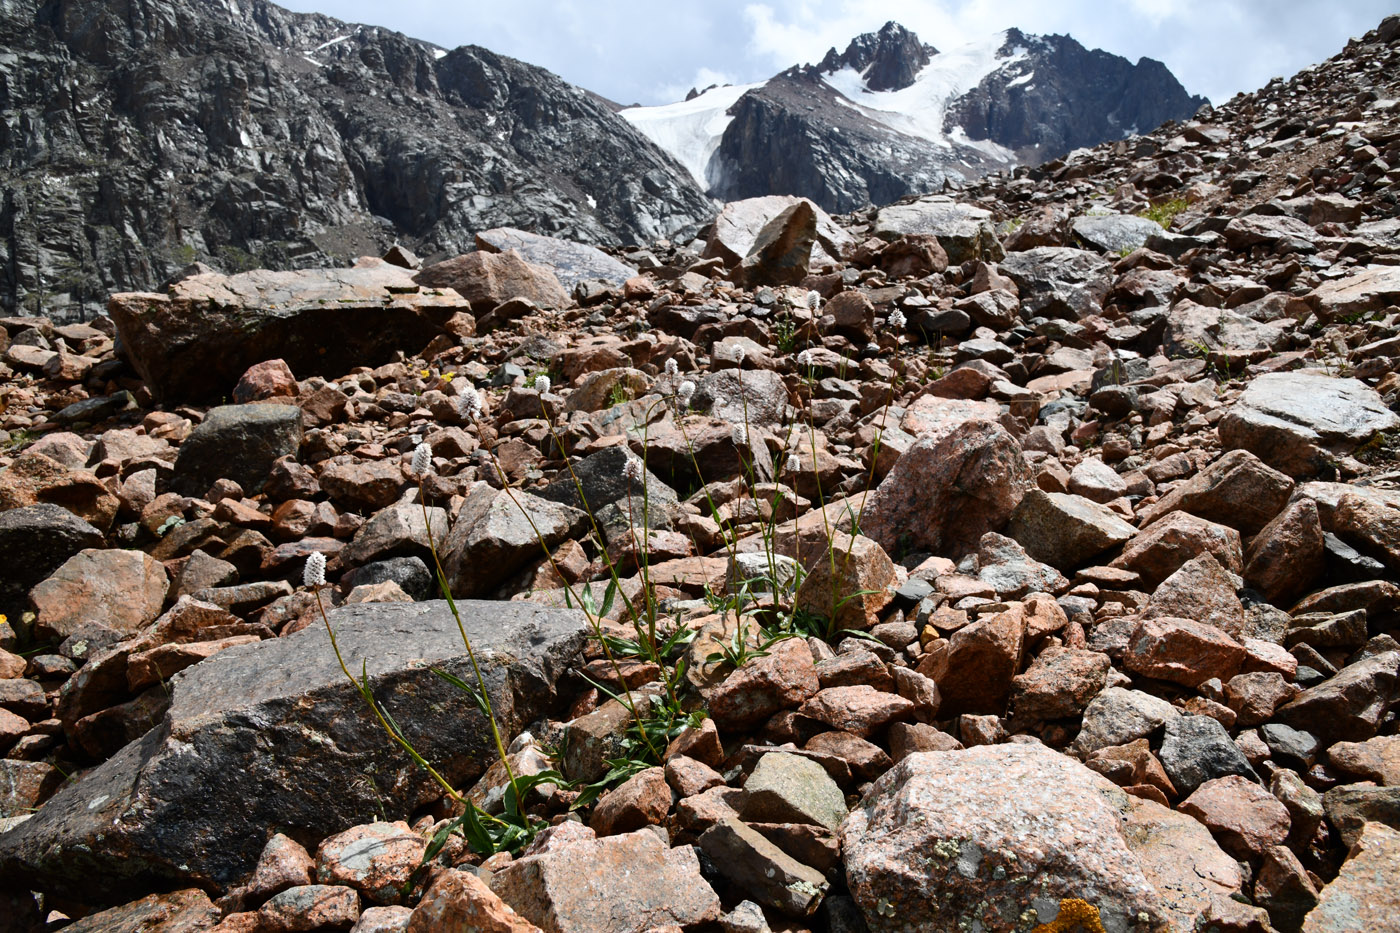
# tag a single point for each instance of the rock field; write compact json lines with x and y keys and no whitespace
{"x":1021,"y":558}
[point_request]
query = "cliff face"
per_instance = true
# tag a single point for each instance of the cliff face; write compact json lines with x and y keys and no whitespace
{"x":1060,"y":96}
{"x":139,"y":135}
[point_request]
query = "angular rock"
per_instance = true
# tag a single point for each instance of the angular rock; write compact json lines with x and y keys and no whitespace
{"x":276,"y":727}
{"x":946,"y":836}
{"x":1370,"y":288}
{"x":570,"y":262}
{"x":781,"y":680}
{"x":377,"y":859}
{"x":1056,"y":281}
{"x":1238,"y":490}
{"x":1245,"y":817}
{"x":1298,"y":422}
{"x":1376,"y":759}
{"x":33,"y":479}
{"x":601,"y":477}
{"x":459,"y":900}
{"x":1347,"y":706}
{"x":1288,"y":555}
{"x":1060,"y":683}
{"x":790,"y":789}
{"x":1363,"y":896}
{"x":1065,"y":531}
{"x":498,"y":533}
{"x":782,"y":250}
{"x":862,"y":709}
{"x":859,"y":590}
{"x":963,"y":230}
{"x":1113,"y":233}
{"x":644,"y":799}
{"x":237,"y":442}
{"x":1196,"y":749}
{"x":35,"y":541}
{"x":123,"y":590}
{"x":1182,"y":651}
{"x":183,"y":911}
{"x":1159,"y":550}
{"x":981,"y":661}
{"x":1200,"y":590}
{"x":944,"y":493}
{"x":487,"y":279}
{"x":738,"y":224}
{"x":761,"y":869}
{"x":1350,"y":807}
{"x":576,"y":883}
{"x":1117,"y":717}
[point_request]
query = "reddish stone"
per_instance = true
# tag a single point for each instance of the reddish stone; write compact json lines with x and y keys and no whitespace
{"x":1244,"y":817}
{"x":1182,"y":651}
{"x":642,"y":800}
{"x":269,"y":379}
{"x":376,"y":859}
{"x":862,"y":710}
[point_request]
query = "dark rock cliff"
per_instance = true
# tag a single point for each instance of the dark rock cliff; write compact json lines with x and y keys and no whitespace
{"x":139,"y":135}
{"x":1061,"y":96}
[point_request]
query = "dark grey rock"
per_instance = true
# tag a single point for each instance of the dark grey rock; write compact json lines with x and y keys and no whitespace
{"x":600,"y":476}
{"x":272,"y":734}
{"x":34,"y":542}
{"x":1057,"y":281}
{"x":237,"y":442}
{"x":1196,"y":749}
{"x":1114,"y":233}
{"x":410,"y":573}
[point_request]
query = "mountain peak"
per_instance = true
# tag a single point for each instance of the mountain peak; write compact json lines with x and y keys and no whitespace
{"x":889,"y":60}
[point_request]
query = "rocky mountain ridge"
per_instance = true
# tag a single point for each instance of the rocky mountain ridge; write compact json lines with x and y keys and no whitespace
{"x":140,"y":138}
{"x":1026,"y":557}
{"x":892,"y":116}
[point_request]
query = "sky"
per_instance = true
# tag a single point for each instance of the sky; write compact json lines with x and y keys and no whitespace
{"x":642,"y":51}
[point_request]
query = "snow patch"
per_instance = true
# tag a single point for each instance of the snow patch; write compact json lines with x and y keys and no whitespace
{"x":691,"y":129}
{"x":1017,"y":82}
{"x":326,"y":45}
{"x":591,"y":201}
{"x":439,"y":53}
{"x":919,"y":109}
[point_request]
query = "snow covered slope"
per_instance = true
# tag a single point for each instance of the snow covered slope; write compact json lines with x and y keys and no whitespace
{"x":691,"y":129}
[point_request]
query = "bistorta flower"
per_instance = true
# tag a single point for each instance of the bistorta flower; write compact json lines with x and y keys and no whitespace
{"x":632,"y":470}
{"x":685,"y":391}
{"x":793,"y":465}
{"x":672,"y":367}
{"x":469,"y":404}
{"x":542,"y":385}
{"x":897,"y":319}
{"x":314,"y":573}
{"x":814,"y":300}
{"x":422,"y":460}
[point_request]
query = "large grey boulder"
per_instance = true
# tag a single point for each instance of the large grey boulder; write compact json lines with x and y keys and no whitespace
{"x":272,"y":737}
{"x":570,"y":262}
{"x":602,"y":481}
{"x":738,"y":224}
{"x":1298,"y":422}
{"x":1057,"y":281}
{"x":194,"y":341}
{"x":1113,"y":233}
{"x":963,"y":230}
{"x":237,"y":442}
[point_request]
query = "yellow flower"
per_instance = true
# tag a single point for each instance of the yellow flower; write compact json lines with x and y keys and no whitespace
{"x":447,"y":377}
{"x":425,"y":373}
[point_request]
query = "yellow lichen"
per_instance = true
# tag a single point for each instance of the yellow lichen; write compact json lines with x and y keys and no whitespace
{"x":1075,"y":916}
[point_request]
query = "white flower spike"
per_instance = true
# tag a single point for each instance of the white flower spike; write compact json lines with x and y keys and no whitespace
{"x":897,"y":320}
{"x":672,"y":367}
{"x":542,"y":385}
{"x":632,"y":470}
{"x":685,"y":391}
{"x":422,"y":460}
{"x":314,"y":573}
